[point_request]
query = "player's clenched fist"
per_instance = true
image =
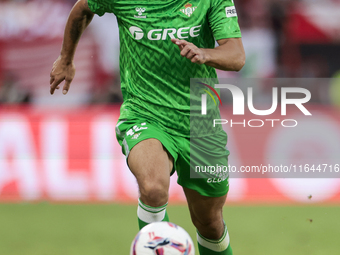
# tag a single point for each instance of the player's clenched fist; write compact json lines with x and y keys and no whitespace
{"x":191,"y":51}
{"x":61,"y":70}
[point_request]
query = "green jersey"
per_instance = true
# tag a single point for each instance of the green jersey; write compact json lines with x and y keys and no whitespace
{"x":155,"y":78}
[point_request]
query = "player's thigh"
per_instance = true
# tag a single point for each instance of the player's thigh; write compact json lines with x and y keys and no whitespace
{"x":150,"y":163}
{"x":148,"y":149}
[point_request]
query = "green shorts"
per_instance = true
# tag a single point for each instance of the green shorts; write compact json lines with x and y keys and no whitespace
{"x":200,"y":163}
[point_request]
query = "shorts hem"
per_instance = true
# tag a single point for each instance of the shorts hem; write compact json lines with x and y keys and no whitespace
{"x":202,"y":192}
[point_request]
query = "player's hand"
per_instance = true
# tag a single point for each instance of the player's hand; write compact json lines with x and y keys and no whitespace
{"x":191,"y":51}
{"x":61,"y":71}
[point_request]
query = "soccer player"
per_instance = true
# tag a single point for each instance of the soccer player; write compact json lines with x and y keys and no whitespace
{"x":162,"y":45}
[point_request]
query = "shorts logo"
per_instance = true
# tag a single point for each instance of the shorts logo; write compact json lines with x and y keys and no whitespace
{"x":231,"y":12}
{"x":136,"y":32}
{"x":140,"y":11}
{"x":188,"y":9}
{"x":133,"y":131}
{"x":135,"y":136}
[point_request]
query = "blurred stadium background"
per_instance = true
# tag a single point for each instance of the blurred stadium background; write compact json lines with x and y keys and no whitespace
{"x":64,"y":184}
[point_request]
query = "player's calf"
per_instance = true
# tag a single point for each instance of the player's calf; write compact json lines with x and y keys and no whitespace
{"x":209,"y":227}
{"x":212,"y":236}
{"x":206,"y":215}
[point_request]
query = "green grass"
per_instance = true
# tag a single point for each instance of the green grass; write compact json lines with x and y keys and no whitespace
{"x":59,"y":229}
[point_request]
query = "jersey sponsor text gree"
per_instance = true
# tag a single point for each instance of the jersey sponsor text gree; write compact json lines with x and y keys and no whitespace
{"x":164,"y":34}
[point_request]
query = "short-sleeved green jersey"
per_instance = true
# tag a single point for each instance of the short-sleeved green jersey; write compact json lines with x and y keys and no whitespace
{"x":155,"y":78}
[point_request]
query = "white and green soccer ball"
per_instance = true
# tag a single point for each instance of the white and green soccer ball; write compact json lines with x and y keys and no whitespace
{"x":162,"y":238}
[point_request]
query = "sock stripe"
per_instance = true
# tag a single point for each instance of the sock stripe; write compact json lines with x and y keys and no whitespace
{"x":215,"y":245}
{"x":149,"y":214}
{"x":150,"y":208}
{"x":214,"y":241}
{"x":153,"y":211}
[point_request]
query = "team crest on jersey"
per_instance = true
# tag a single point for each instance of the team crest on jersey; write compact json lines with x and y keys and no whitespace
{"x":188,"y":9}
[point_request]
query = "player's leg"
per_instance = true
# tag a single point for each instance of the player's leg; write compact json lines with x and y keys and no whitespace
{"x":206,"y":215}
{"x":151,"y":164}
{"x":202,"y":172}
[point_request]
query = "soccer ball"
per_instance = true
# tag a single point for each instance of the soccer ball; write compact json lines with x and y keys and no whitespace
{"x":162,"y":238}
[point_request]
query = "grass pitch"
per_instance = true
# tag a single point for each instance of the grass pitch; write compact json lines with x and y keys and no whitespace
{"x":59,"y":229}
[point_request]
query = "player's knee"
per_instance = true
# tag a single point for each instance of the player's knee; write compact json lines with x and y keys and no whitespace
{"x":154,"y":194}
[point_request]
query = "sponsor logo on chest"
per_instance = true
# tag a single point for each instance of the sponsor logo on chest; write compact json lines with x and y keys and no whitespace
{"x":164,"y":34}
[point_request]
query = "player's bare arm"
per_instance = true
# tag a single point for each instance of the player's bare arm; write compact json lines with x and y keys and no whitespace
{"x":64,"y":68}
{"x":228,"y":56}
